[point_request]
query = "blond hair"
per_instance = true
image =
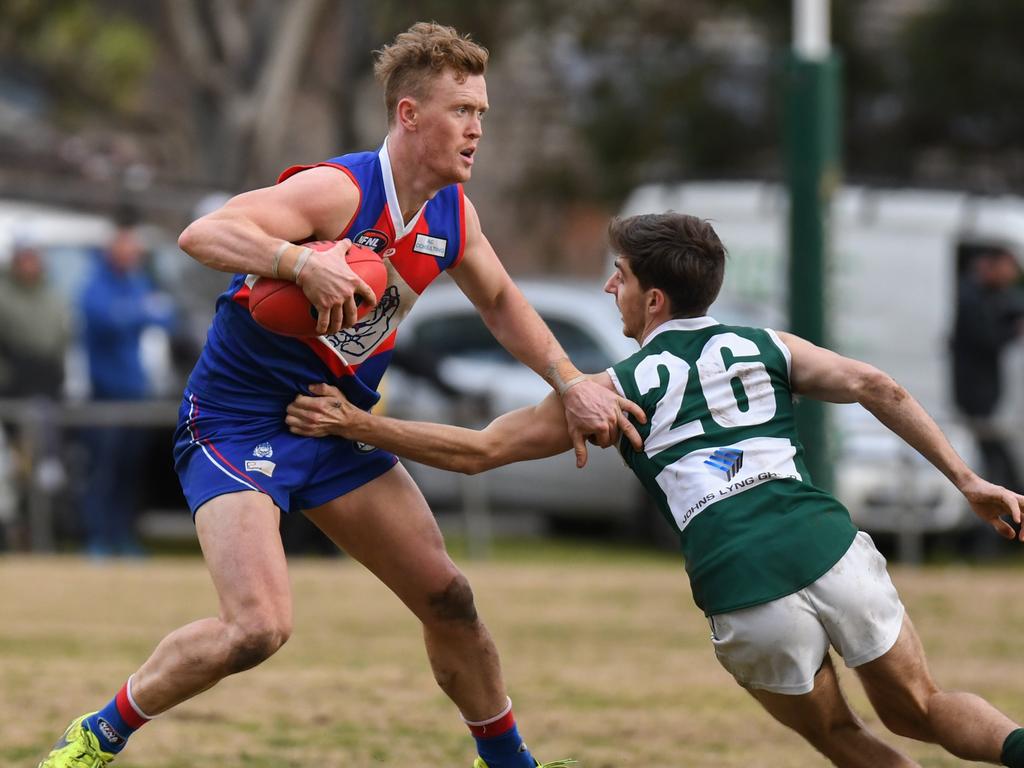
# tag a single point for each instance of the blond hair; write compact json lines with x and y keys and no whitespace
{"x":408,"y":65}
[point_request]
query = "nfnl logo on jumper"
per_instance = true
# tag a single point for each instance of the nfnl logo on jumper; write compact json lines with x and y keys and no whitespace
{"x":431,"y":246}
{"x":373,"y":239}
{"x":728,"y":461}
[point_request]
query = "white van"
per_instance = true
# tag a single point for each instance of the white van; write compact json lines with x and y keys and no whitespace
{"x":890,"y":299}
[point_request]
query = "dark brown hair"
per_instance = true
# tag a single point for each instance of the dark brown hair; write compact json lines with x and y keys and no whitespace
{"x":408,"y":65}
{"x":678,"y":254}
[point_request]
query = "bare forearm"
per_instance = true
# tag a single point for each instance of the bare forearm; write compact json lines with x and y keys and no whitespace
{"x":892,"y":405}
{"x":230,"y":243}
{"x":439,"y":445}
{"x":534,"y":432}
{"x":527,"y":433}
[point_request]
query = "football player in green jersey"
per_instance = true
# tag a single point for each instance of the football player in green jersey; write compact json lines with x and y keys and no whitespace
{"x":774,"y":562}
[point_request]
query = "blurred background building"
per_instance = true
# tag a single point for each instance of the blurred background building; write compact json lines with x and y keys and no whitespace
{"x":597,"y":108}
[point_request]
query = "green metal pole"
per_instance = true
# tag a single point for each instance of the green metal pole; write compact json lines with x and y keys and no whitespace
{"x":812,"y":148}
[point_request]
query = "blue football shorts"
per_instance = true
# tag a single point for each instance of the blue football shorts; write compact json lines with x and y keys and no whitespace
{"x":218,"y":451}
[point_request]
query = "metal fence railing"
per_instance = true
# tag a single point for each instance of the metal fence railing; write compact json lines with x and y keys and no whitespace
{"x":40,"y":425}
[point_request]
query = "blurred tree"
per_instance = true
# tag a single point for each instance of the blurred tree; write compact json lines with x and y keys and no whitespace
{"x":591,"y":97}
{"x":962,"y":81}
{"x":87,"y":59}
{"x":243,"y":62}
{"x":656,"y":91}
{"x":249,"y":62}
{"x":872,"y":113}
{"x":484,"y":20}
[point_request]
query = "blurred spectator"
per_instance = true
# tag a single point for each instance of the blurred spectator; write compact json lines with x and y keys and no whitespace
{"x":34,"y":324}
{"x":989,"y":313}
{"x":33,"y":329}
{"x":118,"y":303}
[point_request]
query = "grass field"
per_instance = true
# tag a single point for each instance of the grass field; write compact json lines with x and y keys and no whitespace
{"x":606,"y":657}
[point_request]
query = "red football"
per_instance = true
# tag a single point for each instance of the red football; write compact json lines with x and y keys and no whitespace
{"x":281,"y":306}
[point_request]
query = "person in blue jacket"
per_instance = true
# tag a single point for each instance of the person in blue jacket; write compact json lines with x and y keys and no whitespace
{"x":117,"y":304}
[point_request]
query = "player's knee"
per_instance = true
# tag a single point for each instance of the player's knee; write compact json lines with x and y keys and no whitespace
{"x":454,"y":603}
{"x":255,"y":642}
{"x":833,"y":733}
{"x":905,"y":711}
{"x":909,"y":722}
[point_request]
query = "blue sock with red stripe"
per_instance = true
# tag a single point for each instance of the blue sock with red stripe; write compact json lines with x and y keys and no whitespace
{"x":498,"y":741}
{"x":113,"y":724}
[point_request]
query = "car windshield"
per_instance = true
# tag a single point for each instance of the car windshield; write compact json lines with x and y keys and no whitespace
{"x":466,"y":336}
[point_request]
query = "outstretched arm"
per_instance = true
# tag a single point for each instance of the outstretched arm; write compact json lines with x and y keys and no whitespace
{"x":825,"y":375}
{"x":534,"y":432}
{"x":593,"y":412}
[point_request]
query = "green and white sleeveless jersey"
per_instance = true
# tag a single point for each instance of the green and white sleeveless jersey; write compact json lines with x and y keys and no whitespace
{"x":722,"y":459}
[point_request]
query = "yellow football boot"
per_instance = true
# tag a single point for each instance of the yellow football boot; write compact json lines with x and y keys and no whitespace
{"x":77,"y":748}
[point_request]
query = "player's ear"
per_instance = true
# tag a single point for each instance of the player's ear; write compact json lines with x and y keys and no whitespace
{"x":656,"y":301}
{"x":407,"y":113}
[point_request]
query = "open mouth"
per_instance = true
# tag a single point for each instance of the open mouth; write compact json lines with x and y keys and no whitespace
{"x":468,"y":153}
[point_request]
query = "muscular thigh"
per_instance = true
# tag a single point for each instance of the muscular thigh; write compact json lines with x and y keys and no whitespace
{"x":811,"y":713}
{"x":899,"y":682}
{"x":241,"y":543}
{"x":388,"y":527}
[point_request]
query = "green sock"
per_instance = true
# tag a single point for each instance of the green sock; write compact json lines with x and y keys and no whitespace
{"x":1013,"y":749}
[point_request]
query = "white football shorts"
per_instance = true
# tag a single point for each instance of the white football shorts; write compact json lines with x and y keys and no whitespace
{"x":780,"y":646}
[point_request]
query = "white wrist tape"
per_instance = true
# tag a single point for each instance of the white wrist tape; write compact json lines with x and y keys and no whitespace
{"x":565,"y":386}
{"x":300,"y":263}
{"x":277,"y":256}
